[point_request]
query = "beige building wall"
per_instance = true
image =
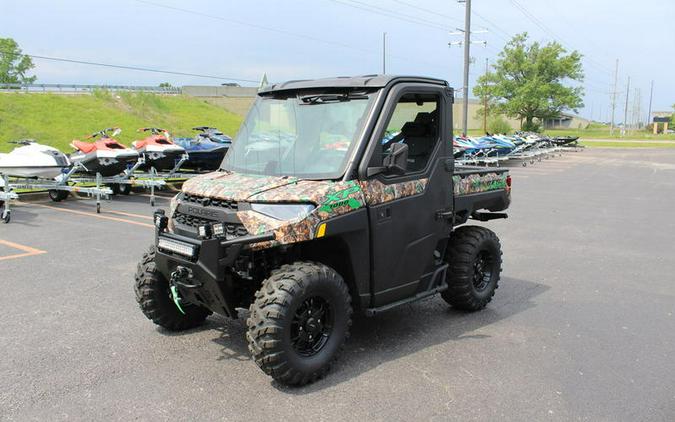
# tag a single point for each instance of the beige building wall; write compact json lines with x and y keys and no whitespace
{"x":239,"y":99}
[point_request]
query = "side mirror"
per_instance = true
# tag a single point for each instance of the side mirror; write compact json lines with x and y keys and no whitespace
{"x":396,"y":160}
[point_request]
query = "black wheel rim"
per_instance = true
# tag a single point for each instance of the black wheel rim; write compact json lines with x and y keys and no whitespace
{"x":311,"y":326}
{"x":483,"y":268}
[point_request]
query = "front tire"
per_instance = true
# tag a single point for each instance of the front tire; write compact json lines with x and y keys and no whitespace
{"x":474,"y":256}
{"x":299,"y":322}
{"x":154,"y":297}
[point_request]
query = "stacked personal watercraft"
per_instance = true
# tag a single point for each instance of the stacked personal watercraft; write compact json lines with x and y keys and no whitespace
{"x":206,"y":150}
{"x":159,"y":151}
{"x":33,"y":160}
{"x":105,"y":156}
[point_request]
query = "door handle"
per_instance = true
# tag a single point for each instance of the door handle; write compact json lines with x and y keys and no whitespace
{"x":383,"y":214}
{"x":444,"y":214}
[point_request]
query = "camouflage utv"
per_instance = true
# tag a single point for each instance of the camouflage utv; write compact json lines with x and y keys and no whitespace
{"x":336,"y":196}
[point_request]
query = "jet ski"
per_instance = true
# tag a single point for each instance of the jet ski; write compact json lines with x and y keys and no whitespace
{"x":158,"y":149}
{"x":203,"y":151}
{"x":105,"y":155}
{"x":33,"y":160}
{"x":213,"y":134}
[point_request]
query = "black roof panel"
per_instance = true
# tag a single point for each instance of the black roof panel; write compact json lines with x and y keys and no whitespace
{"x":366,"y":81}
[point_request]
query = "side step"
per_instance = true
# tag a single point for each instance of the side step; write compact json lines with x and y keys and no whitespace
{"x":487,"y":216}
{"x":440,"y":272}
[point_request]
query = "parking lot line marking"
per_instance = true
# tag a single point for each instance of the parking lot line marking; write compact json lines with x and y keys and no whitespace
{"x":27,"y":250}
{"x":92,"y":214}
{"x":147,"y":195}
{"x":128,"y":214}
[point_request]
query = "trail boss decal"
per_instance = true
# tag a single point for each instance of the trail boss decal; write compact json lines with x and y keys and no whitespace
{"x":342,"y":198}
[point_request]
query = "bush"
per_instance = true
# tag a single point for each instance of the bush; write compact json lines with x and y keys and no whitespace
{"x":497,"y":124}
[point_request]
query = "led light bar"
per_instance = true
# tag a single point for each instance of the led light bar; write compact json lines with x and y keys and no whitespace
{"x":175,"y":246}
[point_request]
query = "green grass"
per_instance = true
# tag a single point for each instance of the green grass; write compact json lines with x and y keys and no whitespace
{"x":637,"y":144}
{"x":603,"y":133}
{"x":56,"y":120}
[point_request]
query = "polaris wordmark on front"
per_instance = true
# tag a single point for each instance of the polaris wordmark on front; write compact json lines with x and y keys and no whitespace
{"x":337,"y":196}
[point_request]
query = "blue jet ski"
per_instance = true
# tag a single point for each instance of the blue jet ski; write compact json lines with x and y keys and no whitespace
{"x":206,"y":150}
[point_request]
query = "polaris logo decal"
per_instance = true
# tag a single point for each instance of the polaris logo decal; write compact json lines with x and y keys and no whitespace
{"x":201,"y":211}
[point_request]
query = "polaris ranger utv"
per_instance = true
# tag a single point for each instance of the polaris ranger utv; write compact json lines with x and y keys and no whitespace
{"x":337,"y":196}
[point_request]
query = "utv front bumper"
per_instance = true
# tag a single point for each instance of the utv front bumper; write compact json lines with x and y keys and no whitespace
{"x":200,"y":269}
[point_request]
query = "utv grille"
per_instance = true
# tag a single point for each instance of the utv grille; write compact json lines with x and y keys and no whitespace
{"x":231,"y":229}
{"x":205,"y":202}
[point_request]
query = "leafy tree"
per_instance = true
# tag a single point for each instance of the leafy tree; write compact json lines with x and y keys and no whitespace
{"x":497,"y":124}
{"x":13,"y":64}
{"x":528,"y":81}
{"x":165,"y":85}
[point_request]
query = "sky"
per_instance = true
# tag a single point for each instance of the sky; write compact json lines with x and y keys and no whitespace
{"x":299,"y":39}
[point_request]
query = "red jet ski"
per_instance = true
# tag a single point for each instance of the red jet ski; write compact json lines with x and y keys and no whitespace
{"x":158,"y":149}
{"x":105,"y":155}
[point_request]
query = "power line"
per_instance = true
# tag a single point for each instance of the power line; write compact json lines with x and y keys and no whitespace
{"x":141,"y":69}
{"x":252,"y":25}
{"x":280,"y":31}
{"x":390,"y":13}
{"x":432,"y":12}
{"x":549,"y":32}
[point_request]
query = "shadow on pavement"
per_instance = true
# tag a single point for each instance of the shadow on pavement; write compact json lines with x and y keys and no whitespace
{"x":390,"y":335}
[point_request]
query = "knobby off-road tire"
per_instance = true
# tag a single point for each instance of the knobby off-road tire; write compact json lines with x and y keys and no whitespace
{"x":154,"y":297}
{"x":286,"y":341}
{"x":474,"y":256}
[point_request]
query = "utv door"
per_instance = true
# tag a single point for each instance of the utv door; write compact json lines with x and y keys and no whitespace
{"x":407,"y":236}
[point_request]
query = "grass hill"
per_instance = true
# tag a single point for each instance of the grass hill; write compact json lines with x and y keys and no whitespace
{"x":57,"y":119}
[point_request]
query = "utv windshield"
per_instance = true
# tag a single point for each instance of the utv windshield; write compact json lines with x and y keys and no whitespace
{"x":308,"y":135}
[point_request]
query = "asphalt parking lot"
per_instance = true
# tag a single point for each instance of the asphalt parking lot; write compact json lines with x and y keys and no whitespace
{"x":582,"y":326}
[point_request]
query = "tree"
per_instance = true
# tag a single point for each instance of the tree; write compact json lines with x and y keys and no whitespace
{"x":165,"y":85}
{"x":13,"y":64}
{"x":527,"y":82}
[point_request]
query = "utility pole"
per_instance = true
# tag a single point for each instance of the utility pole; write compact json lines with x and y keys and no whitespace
{"x":467,"y":44}
{"x":651,"y":95}
{"x":625,"y":109}
{"x":638,"y":117}
{"x":616,"y":75}
{"x":485,"y":101}
{"x":384,"y":53}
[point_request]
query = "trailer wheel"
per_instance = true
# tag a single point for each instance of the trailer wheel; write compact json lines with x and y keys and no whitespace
{"x":475,"y":262}
{"x":4,"y":213}
{"x":153,"y":295}
{"x":299,"y":322}
{"x":58,"y":195}
{"x":115,"y":188}
{"x":124,"y":188}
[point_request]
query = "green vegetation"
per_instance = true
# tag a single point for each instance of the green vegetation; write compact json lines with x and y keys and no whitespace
{"x":628,"y":144}
{"x":528,"y":81}
{"x":497,"y":124}
{"x":56,"y":119}
{"x":602,"y":132}
{"x":13,"y":64}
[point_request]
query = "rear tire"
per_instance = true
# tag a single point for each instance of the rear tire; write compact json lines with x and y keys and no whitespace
{"x":124,"y":188}
{"x":154,"y":298}
{"x":475,"y":262}
{"x":299,"y":322}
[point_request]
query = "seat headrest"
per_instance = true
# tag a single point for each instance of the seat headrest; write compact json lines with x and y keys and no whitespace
{"x":424,"y":118}
{"x":413,"y":129}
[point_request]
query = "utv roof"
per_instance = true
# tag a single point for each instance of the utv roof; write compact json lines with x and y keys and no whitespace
{"x":366,"y":81}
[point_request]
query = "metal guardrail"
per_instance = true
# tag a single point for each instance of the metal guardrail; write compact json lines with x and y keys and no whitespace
{"x":86,"y":88}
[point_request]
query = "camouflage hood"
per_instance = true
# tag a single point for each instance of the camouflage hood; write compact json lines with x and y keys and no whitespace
{"x":233,"y":186}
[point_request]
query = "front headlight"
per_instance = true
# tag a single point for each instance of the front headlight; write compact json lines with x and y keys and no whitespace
{"x":283,"y":211}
